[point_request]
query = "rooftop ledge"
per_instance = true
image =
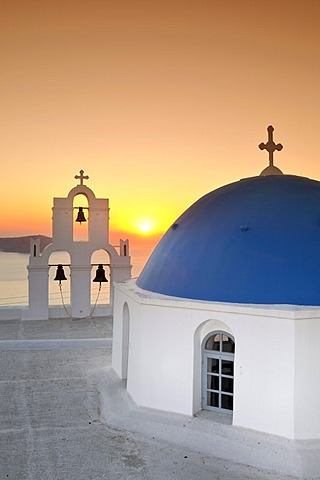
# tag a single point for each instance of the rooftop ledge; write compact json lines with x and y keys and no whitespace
{"x":293,"y":312}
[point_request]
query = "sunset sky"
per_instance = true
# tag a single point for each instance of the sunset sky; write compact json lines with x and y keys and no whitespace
{"x":159,"y":102}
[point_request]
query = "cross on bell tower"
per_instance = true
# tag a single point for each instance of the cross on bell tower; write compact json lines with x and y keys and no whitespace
{"x":271,"y":147}
{"x":81,"y":177}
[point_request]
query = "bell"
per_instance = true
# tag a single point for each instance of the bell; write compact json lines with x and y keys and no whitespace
{"x":60,"y":274}
{"x":100,"y":275}
{"x":80,"y":217}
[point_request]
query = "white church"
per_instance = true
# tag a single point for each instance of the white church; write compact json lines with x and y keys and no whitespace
{"x":225,"y":315}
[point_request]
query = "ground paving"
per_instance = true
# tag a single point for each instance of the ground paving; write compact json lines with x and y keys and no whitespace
{"x":64,"y":415}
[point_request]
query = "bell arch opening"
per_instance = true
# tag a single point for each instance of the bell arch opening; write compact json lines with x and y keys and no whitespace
{"x":100,"y":258}
{"x":56,"y":259}
{"x":80,"y":218}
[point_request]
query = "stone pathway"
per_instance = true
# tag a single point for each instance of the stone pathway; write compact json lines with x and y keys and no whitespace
{"x":57,"y":424}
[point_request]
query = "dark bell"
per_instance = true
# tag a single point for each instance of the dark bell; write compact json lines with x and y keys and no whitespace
{"x":100,"y":275}
{"x":60,"y":274}
{"x":80,"y":217}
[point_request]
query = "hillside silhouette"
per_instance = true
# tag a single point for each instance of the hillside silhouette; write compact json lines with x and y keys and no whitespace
{"x":22,"y":244}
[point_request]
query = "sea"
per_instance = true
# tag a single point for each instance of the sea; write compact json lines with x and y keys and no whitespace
{"x":14,"y":277}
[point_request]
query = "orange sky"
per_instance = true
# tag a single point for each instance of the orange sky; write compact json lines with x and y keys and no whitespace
{"x":158,"y":101}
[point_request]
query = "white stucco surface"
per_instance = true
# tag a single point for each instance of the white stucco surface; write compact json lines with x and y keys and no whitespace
{"x":276,"y":351}
{"x":65,"y":414}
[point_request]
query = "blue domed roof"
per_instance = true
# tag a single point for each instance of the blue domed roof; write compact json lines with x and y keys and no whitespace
{"x":254,"y":241}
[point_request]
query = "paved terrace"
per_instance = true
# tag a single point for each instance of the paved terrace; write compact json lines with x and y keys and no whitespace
{"x":64,"y":415}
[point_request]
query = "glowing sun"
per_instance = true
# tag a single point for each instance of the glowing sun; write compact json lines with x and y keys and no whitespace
{"x":145,"y":226}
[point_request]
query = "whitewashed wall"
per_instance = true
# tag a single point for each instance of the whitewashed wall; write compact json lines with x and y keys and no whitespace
{"x":275,"y":362}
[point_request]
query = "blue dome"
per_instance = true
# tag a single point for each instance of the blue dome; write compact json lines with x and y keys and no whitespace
{"x":254,"y":241}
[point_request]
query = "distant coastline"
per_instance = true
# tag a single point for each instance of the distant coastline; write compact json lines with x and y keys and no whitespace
{"x":22,"y":244}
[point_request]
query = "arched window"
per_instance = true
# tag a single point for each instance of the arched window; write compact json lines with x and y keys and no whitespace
{"x":218,"y":372}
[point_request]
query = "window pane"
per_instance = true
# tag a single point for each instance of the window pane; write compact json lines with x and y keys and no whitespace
{"x":213,"y":342}
{"x":213,"y":399}
{"x":213,"y":382}
{"x":227,"y":384}
{"x":227,"y":402}
{"x":213,"y":365}
{"x":227,"y":367}
{"x":227,"y":344}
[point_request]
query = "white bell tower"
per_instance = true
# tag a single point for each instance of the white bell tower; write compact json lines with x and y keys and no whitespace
{"x":80,"y":254}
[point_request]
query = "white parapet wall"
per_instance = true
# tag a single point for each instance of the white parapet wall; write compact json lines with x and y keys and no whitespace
{"x":11,"y":313}
{"x":57,"y":312}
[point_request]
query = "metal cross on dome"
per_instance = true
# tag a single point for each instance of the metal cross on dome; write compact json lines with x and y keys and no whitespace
{"x":270,"y":146}
{"x":81,"y":177}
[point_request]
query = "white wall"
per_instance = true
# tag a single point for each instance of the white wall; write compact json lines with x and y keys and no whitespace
{"x":307,"y":379}
{"x":161,"y":360}
{"x":165,"y":359}
{"x":11,"y":313}
{"x":264,"y":373}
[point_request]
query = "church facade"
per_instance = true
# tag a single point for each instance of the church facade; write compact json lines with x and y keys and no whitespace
{"x":177,"y":355}
{"x":225,"y":315}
